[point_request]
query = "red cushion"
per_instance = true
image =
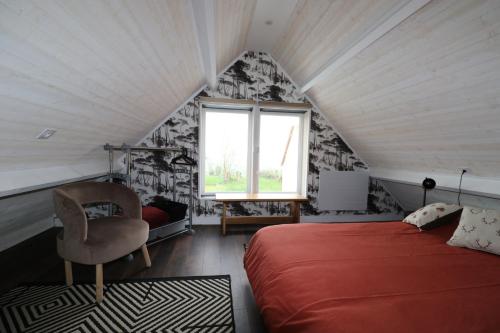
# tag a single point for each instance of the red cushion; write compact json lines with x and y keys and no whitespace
{"x":154,"y":216}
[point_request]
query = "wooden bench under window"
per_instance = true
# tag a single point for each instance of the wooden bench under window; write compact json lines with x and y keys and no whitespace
{"x":227,"y":198}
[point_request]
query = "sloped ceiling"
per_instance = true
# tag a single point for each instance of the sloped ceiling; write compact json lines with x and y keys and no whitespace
{"x":318,"y":30}
{"x":97,"y":72}
{"x":423,"y":98}
{"x":233,"y":19}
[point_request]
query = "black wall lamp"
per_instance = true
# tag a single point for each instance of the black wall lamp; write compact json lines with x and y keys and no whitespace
{"x":428,"y":184}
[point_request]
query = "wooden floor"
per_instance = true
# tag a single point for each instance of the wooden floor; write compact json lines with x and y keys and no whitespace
{"x":204,"y":253}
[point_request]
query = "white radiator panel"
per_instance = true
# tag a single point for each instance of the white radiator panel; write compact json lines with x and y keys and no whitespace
{"x":343,"y":190}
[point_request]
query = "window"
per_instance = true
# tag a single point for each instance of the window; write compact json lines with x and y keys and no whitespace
{"x":226,"y":151}
{"x":246,"y":147}
{"x":280,"y":152}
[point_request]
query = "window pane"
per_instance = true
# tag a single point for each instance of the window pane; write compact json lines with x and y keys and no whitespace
{"x":279,"y":165}
{"x":226,"y":151}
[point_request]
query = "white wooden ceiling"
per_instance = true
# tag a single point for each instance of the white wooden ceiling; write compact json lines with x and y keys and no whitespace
{"x":97,"y":71}
{"x":318,"y":30}
{"x":233,"y":19}
{"x":423,"y":97}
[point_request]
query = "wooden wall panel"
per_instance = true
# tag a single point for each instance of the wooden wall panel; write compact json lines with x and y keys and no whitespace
{"x":411,"y":197}
{"x":425,"y":96}
{"x":24,"y":216}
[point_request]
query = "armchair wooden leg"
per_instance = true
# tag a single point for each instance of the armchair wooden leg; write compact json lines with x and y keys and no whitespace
{"x":98,"y":283}
{"x":68,"y":272}
{"x":145,"y":253}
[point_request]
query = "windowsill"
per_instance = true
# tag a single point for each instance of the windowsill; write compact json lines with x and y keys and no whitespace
{"x":277,"y":195}
{"x":207,"y":197}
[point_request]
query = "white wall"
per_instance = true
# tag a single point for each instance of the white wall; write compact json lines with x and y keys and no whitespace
{"x":26,"y":214}
{"x":410,"y":196}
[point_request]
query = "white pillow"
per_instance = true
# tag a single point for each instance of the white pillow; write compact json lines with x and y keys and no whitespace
{"x":479,"y":229}
{"x":430,"y":213}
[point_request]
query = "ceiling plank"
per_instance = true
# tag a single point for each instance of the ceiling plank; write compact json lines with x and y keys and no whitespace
{"x":204,"y":15}
{"x":390,"y":20}
{"x":233,"y":19}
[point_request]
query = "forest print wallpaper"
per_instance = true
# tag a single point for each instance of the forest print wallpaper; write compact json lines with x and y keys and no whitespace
{"x":251,"y":76}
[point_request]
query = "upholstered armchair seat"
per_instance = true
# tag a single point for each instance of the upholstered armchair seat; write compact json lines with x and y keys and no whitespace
{"x":108,"y":238}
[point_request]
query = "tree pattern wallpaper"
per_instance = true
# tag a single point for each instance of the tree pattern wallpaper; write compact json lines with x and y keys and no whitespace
{"x":252,"y":76}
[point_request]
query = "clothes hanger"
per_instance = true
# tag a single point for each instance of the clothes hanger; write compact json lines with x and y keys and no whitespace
{"x":183,"y":159}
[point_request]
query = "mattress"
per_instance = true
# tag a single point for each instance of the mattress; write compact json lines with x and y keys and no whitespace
{"x":371,"y":277}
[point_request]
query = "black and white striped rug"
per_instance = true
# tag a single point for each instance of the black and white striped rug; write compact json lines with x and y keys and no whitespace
{"x":185,"y":304}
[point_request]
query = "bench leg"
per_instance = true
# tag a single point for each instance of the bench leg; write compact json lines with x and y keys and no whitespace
{"x":223,"y":219}
{"x":295,"y":211}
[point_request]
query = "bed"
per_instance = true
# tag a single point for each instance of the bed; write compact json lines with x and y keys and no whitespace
{"x":371,"y":277}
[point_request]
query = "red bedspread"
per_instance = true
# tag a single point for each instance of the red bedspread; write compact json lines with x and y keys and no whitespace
{"x":371,"y":277}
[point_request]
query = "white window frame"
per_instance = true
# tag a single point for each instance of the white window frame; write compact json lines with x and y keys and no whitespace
{"x":301,"y":110}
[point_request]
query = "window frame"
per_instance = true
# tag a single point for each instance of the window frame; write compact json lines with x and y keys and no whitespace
{"x":302,"y":110}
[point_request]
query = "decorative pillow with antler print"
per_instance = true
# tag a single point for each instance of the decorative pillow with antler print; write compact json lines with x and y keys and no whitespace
{"x":425,"y":218}
{"x":479,"y":229}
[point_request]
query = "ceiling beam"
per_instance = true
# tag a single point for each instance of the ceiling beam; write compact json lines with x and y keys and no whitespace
{"x":386,"y":23}
{"x":204,"y":16}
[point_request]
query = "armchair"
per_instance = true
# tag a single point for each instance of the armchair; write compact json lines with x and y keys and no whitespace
{"x":98,"y":241}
